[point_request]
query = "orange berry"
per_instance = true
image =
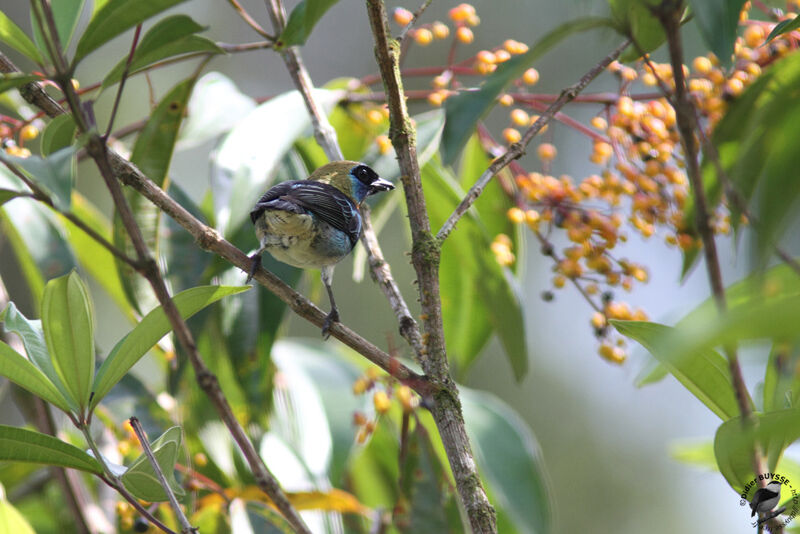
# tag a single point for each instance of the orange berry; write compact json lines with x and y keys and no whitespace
{"x":546,"y":152}
{"x":440,"y":30}
{"x":501,"y":55}
{"x":473,"y":20}
{"x":531,"y":76}
{"x":532,"y":217}
{"x":423,"y":36}
{"x":436,"y":98}
{"x":375,"y":116}
{"x":559,"y":281}
{"x":406,"y":398}
{"x":702,"y":65}
{"x":465,"y":35}
{"x":484,"y":56}
{"x":511,"y":135}
{"x":754,"y":35}
{"x":402,"y":16}
{"x":506,"y":100}
{"x":599,"y":122}
{"x":384,"y":144}
{"x":360,"y":386}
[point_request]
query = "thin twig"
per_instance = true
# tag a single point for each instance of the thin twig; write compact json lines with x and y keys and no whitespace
{"x":186,"y":527}
{"x":411,"y":24}
{"x":250,"y":20}
{"x":122,"y":80}
{"x":518,"y":149}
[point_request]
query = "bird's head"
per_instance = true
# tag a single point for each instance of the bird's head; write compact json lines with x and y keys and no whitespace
{"x":354,"y":179}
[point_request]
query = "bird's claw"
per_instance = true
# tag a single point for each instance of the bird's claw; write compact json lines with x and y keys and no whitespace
{"x":254,"y":267}
{"x":332,"y":317}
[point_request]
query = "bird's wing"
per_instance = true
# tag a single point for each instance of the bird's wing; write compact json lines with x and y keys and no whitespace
{"x":323,"y":200}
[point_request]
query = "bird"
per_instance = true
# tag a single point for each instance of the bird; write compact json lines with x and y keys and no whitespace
{"x":765,"y":499}
{"x":315,"y":223}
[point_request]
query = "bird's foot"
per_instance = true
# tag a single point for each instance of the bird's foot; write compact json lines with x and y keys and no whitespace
{"x":254,"y":267}
{"x":333,"y":317}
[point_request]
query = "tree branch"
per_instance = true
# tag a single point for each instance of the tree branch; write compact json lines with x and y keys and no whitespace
{"x":446,"y":406}
{"x":518,"y":149}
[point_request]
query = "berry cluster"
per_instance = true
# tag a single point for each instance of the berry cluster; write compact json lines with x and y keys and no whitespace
{"x":640,"y":185}
{"x":385,"y":391}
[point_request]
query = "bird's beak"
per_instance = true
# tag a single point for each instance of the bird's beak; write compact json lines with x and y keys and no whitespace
{"x":380,"y":185}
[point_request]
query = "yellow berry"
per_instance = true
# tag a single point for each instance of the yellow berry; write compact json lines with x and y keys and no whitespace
{"x":406,"y":398}
{"x":501,"y":55}
{"x":516,"y":215}
{"x":546,"y":151}
{"x":402,"y":16}
{"x":200,"y":459}
{"x":532,"y":217}
{"x":531,"y":76}
{"x":598,"y":320}
{"x":464,"y":35}
{"x":384,"y":144}
{"x":473,"y":20}
{"x":599,"y":122}
{"x":519,"y":117}
{"x":423,"y":36}
{"x":559,"y":281}
{"x":461,"y":12}
{"x":29,"y":132}
{"x":511,"y":135}
{"x":484,"y":56}
{"x":440,"y":30}
{"x":506,"y":100}
{"x":375,"y":116}
{"x":702,"y":65}
{"x":360,"y":386}
{"x":381,"y":402}
{"x":436,"y":98}
{"x":754,"y":35}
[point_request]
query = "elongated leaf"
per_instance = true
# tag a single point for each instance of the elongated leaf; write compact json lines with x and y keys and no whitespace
{"x":464,"y":110}
{"x":781,"y":383}
{"x":55,"y":173}
{"x":32,"y":336}
{"x":150,"y":329}
{"x":140,"y":478}
{"x":13,"y":36}
{"x":733,"y":444}
{"x":170,"y":37}
{"x":718,"y":21}
{"x":68,"y":322}
{"x":23,"y":373}
{"x":216,"y":106}
{"x":12,"y":81}
{"x":510,"y":460}
{"x":66,"y":14}
{"x":784,"y":26}
{"x":21,"y":445}
{"x":115,"y":17}
{"x":704,"y":372}
{"x":302,"y":20}
{"x":251,"y":153}
{"x":59,"y":133}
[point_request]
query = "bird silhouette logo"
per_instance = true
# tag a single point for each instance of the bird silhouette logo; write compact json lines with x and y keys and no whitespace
{"x":765,"y":499}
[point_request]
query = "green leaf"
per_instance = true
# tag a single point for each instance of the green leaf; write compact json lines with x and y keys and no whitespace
{"x":21,"y":445}
{"x":23,"y":373}
{"x":733,"y":444}
{"x":250,"y":155}
{"x":12,"y":81}
{"x":68,"y":322}
{"x":784,"y":26}
{"x":634,"y":19}
{"x":510,"y":460}
{"x":32,"y":336}
{"x":216,"y":105}
{"x":115,"y":17}
{"x":92,"y":256}
{"x":13,"y":36}
{"x":140,"y":478}
{"x":155,"y":144}
{"x":465,"y":109}
{"x":59,"y":133}
{"x":150,"y":329}
{"x":8,"y":194}
{"x":10,"y":518}
{"x":781,"y":383}
{"x":302,"y":20}
{"x":704,"y":372}
{"x":700,"y":454}
{"x":718,"y":21}
{"x":55,"y":173}
{"x":66,"y":14}
{"x":170,"y":37}
{"x":467,"y":263}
